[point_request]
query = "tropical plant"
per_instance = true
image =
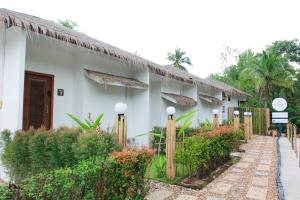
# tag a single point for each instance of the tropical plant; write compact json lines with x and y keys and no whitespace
{"x":68,"y":23}
{"x":185,"y":121}
{"x":88,"y":124}
{"x":268,"y":71}
{"x":179,"y":59}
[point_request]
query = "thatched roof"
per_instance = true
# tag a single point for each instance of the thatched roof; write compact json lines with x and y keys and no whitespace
{"x":179,"y":99}
{"x":51,"y":29}
{"x":228,"y":89}
{"x":211,"y":99}
{"x":103,"y":78}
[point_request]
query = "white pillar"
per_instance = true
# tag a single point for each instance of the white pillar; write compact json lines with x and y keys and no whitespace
{"x":11,"y":114}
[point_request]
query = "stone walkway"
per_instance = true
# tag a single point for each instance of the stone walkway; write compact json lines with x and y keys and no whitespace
{"x":253,"y":177}
{"x":290,"y":170}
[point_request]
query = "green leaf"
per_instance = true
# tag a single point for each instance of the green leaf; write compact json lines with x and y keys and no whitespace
{"x":81,"y":124}
{"x":185,"y":115}
{"x":88,"y":123}
{"x":98,"y":120}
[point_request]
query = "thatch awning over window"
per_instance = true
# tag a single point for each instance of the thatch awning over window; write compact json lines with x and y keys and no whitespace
{"x":179,"y":99}
{"x":210,"y":99}
{"x":109,"y":79}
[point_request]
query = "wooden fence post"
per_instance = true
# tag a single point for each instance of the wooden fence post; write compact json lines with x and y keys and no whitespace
{"x":216,"y":118}
{"x":268,"y":123}
{"x":246,"y":126}
{"x":121,"y":125}
{"x":250,"y":126}
{"x":236,"y":120}
{"x":295,"y":139}
{"x":292,"y":136}
{"x":170,"y":144}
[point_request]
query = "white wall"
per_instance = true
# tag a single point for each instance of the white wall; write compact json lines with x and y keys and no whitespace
{"x":83,"y":95}
{"x":232,"y":103}
{"x":138,"y":115}
{"x":205,"y":108}
{"x":14,"y":64}
{"x":156,"y":104}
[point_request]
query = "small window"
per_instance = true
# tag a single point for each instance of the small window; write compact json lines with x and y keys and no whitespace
{"x":229,"y":98}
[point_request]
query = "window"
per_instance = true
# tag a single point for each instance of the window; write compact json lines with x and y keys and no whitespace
{"x":229,"y":98}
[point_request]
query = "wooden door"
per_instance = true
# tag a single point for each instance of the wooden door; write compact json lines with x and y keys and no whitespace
{"x":38,"y":97}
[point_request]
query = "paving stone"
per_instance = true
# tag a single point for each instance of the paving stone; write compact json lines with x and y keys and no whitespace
{"x":265,"y":162}
{"x":257,"y":193}
{"x":159,"y":195}
{"x":237,"y":170}
{"x":186,"y":197}
{"x":261,"y":173}
{"x":232,"y":177}
{"x":221,"y":188}
{"x":248,"y":159}
{"x":214,"y":198}
{"x":266,"y":157}
{"x":260,"y":181}
{"x":263,"y":167}
{"x":242,"y":165}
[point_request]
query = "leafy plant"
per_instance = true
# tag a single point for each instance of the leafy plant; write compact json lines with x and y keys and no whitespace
{"x":186,"y":121}
{"x":35,"y":151}
{"x":88,"y":124}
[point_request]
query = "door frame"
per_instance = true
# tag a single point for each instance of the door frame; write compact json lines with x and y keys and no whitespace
{"x":52,"y":93}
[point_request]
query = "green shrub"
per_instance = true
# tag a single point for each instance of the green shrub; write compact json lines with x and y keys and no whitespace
{"x":5,"y":192}
{"x":202,"y":154}
{"x":121,"y":176}
{"x":92,"y":144}
{"x":35,"y":151}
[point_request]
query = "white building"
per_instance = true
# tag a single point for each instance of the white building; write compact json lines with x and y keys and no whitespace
{"x":47,"y":70}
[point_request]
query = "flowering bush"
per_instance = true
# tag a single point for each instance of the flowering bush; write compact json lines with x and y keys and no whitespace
{"x":118,"y":177}
{"x":203,"y":153}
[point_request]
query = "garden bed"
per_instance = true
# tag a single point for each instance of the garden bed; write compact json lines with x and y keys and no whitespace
{"x":198,"y":183}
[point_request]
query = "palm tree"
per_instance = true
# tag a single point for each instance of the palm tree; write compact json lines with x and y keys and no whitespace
{"x":178,"y":58}
{"x":268,"y":71}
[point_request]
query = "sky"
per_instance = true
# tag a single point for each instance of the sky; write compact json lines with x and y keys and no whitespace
{"x":151,"y":28}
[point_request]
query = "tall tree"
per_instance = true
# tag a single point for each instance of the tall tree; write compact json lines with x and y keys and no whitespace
{"x":179,"y":59}
{"x":68,"y":23}
{"x":269,"y":71}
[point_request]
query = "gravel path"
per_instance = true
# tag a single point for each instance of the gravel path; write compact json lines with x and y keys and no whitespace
{"x":253,"y":177}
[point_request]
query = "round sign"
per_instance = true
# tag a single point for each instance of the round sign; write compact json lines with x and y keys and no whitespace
{"x":279,"y":104}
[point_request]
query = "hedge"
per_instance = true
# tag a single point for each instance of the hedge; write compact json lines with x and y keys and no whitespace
{"x":203,"y":153}
{"x":35,"y":151}
{"x":120,"y":176}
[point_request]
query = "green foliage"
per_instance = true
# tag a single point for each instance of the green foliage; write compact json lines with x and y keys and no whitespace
{"x":119,"y":177}
{"x":206,"y":125}
{"x":36,"y":151}
{"x":268,"y":74}
{"x":5,"y":192}
{"x":202,"y":153}
{"x":179,"y":59}
{"x":92,"y":144}
{"x":185,"y":121}
{"x":68,"y":23}
{"x":88,"y":124}
{"x":159,"y":165}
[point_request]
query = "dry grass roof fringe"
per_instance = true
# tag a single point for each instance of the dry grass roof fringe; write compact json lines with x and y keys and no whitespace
{"x":51,"y":29}
{"x":181,"y":100}
{"x":103,"y":78}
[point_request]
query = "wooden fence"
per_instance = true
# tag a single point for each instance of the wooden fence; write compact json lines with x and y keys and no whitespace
{"x":260,"y":116}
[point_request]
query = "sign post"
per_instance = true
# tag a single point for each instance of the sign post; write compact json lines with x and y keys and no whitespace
{"x":279,"y":117}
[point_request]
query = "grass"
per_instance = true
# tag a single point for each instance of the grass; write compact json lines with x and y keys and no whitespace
{"x":157,"y":170}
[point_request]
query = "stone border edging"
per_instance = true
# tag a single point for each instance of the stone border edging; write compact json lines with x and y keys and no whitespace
{"x":278,"y":172}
